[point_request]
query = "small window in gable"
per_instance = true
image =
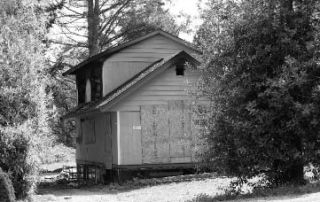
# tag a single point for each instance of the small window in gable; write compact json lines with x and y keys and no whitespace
{"x":180,"y":69}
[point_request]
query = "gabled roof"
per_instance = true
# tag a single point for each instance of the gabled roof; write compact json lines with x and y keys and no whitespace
{"x":107,"y":53}
{"x":148,"y":73}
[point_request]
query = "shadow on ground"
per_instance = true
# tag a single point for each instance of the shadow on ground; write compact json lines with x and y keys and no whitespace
{"x":60,"y":188}
{"x":309,"y":192}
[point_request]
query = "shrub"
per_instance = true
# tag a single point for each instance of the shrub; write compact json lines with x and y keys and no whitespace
{"x":6,"y":188}
{"x":16,"y":158}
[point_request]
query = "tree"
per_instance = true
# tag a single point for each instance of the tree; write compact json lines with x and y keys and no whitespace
{"x":147,"y":16}
{"x":26,"y":102}
{"x":262,"y":74}
{"x":94,"y":25}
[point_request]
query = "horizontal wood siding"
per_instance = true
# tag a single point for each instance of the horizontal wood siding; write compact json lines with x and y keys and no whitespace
{"x":156,"y":47}
{"x":166,"y":87}
{"x":116,"y":73}
{"x":128,"y":62}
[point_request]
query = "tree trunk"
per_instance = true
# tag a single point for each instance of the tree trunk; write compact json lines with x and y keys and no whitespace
{"x":93,"y":26}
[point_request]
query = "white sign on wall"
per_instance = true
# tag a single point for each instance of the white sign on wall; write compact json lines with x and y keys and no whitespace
{"x":136,"y":127}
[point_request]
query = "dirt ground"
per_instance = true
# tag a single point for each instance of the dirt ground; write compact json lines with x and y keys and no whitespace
{"x":191,"y":191}
{"x":182,"y":191}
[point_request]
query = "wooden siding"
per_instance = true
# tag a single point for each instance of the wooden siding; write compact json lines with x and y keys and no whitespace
{"x":99,"y":150}
{"x":116,"y":73}
{"x":114,"y":132}
{"x":166,"y":87}
{"x":158,"y":134}
{"x":168,"y":134}
{"x":156,"y":47}
{"x":125,"y":64}
{"x":78,"y":138}
{"x":155,"y":134}
{"x":130,"y":138}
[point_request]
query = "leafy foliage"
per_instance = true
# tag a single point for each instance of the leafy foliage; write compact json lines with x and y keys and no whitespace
{"x":262,"y":75}
{"x":6,"y":189}
{"x":19,"y":159}
{"x":26,"y":101}
{"x":148,"y":16}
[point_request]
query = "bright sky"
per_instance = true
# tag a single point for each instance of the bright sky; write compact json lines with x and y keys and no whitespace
{"x":189,"y":7}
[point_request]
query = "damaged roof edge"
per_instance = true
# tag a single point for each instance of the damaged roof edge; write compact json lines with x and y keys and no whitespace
{"x":107,"y":53}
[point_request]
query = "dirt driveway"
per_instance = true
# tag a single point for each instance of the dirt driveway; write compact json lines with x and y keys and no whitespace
{"x":174,"y":192}
{"x":202,"y":190}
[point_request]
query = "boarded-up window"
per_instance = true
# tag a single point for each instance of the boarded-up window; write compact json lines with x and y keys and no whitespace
{"x":89,"y":133}
{"x":167,"y":133}
{"x":80,"y":132}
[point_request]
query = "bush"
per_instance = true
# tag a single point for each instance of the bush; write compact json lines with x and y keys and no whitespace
{"x":263,"y":82}
{"x":16,"y":159}
{"x":6,"y":188}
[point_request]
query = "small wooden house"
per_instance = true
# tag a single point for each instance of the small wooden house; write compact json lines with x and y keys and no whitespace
{"x":135,"y":107}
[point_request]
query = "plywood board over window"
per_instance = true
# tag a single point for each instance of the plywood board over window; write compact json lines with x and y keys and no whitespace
{"x":180,"y":131}
{"x":155,"y":134}
{"x":167,"y":133}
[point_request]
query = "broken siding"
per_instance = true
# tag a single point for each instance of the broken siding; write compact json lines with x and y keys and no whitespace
{"x":125,"y":64}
